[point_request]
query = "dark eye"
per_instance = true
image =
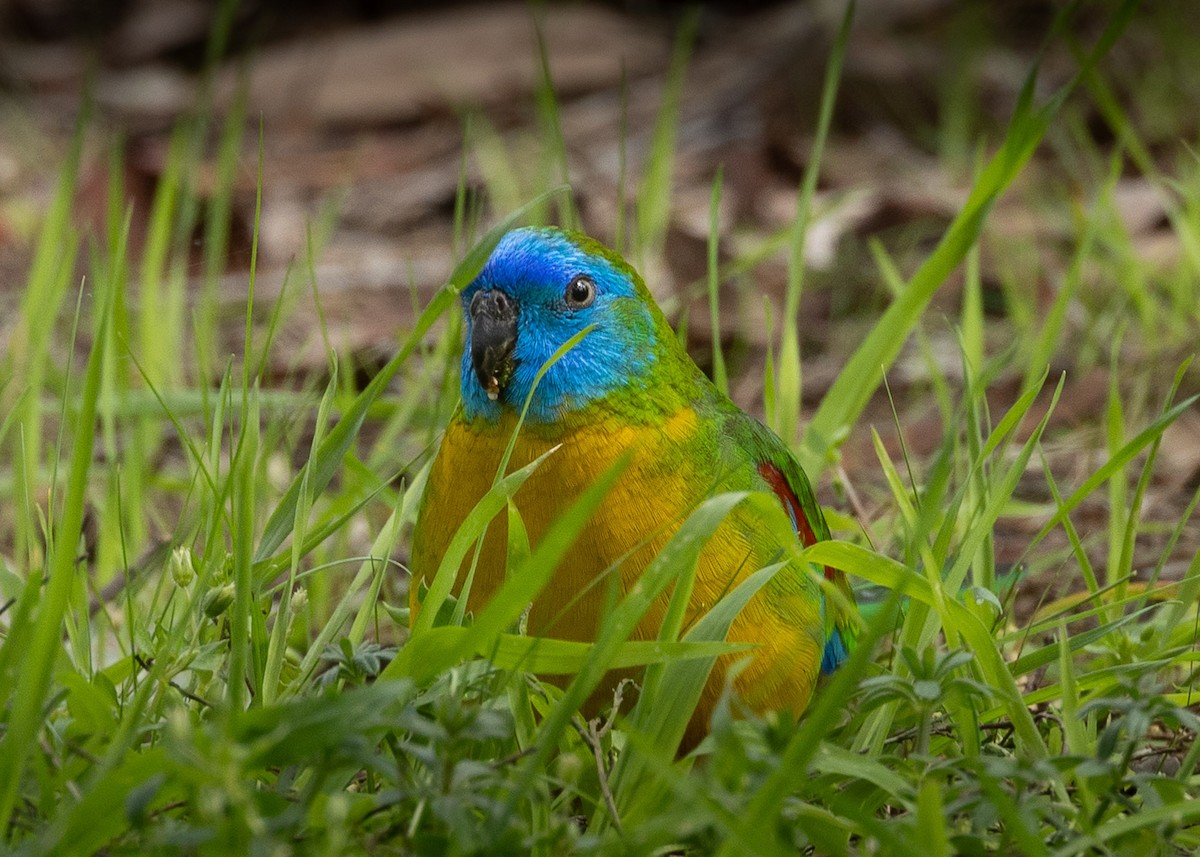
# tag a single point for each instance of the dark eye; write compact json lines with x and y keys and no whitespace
{"x":581,"y":291}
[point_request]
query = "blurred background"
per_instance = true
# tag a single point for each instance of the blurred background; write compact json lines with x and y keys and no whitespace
{"x":374,"y":113}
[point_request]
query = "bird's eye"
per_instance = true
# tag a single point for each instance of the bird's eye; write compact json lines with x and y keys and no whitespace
{"x":581,"y":291}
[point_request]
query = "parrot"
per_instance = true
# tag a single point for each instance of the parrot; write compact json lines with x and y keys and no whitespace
{"x":627,"y":388}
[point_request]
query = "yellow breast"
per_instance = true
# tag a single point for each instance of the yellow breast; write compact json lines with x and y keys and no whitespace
{"x":653,"y":496}
{"x":643,"y":509}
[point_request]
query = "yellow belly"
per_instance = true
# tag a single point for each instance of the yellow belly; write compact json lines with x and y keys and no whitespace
{"x":640,"y":514}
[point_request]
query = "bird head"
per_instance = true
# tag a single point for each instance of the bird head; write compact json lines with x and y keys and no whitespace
{"x":541,"y":287}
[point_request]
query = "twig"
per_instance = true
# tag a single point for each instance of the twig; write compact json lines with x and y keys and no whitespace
{"x":154,"y":555}
{"x":513,"y":757}
{"x":593,"y":735}
{"x":860,"y":511}
{"x":147,"y":665}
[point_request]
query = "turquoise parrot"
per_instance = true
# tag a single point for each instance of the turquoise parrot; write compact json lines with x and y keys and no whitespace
{"x":628,"y":386}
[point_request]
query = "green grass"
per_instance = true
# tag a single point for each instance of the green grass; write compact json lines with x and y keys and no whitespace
{"x":200,"y":650}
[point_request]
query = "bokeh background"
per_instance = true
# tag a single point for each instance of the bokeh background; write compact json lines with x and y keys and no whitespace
{"x":373,"y":113}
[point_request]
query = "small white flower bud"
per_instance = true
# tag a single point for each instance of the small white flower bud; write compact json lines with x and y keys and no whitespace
{"x":183,"y":569}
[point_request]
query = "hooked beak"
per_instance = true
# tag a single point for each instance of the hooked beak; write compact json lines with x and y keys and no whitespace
{"x":493,"y":335}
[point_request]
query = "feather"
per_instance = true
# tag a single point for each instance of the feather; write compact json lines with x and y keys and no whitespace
{"x":628,"y":386}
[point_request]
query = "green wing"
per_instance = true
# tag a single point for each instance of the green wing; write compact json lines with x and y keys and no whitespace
{"x":787,"y":480}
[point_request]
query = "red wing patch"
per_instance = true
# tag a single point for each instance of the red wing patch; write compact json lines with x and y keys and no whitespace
{"x":791,"y":504}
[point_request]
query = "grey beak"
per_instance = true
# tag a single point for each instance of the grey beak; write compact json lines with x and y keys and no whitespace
{"x":493,"y":336}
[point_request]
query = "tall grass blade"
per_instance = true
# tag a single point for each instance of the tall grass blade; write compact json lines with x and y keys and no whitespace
{"x":861,"y":375}
{"x":788,"y":375}
{"x":33,"y":681}
{"x":654,"y":196}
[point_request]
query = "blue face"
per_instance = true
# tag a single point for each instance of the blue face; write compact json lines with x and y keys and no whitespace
{"x":538,"y":289}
